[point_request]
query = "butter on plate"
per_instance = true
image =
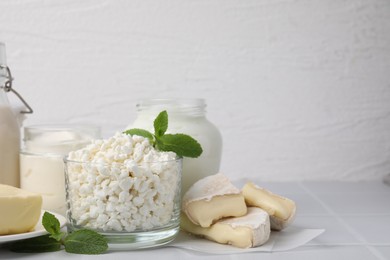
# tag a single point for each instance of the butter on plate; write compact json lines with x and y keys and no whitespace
{"x":20,"y":210}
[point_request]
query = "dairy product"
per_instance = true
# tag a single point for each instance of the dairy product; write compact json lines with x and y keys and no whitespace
{"x":45,"y":174}
{"x":9,"y":147}
{"x":123,"y":184}
{"x":281,"y":210}
{"x":213,"y":198}
{"x":186,"y":116}
{"x":41,"y":160}
{"x":20,"y":210}
{"x":250,"y":230}
{"x":9,"y":131}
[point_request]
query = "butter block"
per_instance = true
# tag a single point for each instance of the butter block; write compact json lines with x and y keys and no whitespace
{"x":247,"y":231}
{"x":212,"y":198}
{"x":20,"y":210}
{"x":280,"y":209}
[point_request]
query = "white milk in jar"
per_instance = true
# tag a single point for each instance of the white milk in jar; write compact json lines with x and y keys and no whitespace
{"x":41,"y":160}
{"x":9,"y":147}
{"x":187,"y":116}
{"x":9,"y":129}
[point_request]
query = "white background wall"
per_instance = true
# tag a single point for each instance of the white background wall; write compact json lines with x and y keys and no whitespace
{"x":300,"y":89}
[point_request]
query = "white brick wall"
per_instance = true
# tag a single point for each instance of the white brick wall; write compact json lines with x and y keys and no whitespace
{"x":300,"y":89}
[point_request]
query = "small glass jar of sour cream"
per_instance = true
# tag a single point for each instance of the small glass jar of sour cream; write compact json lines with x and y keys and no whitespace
{"x":41,"y":159}
{"x":187,"y":116}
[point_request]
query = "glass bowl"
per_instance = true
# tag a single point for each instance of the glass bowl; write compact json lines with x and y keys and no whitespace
{"x":134,"y":205}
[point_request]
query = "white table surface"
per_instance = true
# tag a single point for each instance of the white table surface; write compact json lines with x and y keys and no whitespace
{"x":356,"y":216}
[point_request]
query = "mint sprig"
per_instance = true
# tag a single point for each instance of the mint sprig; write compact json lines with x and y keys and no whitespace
{"x":82,"y":241}
{"x":181,"y":144}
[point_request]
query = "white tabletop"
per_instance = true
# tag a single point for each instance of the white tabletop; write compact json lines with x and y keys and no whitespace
{"x":355,"y":215}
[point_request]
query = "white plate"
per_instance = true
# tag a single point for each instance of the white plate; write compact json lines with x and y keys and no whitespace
{"x":39,"y":230}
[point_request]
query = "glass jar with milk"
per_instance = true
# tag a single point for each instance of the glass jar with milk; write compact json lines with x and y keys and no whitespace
{"x":9,"y":126}
{"x":187,"y":116}
{"x":41,"y":160}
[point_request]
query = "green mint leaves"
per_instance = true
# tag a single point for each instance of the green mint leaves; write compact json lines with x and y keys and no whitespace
{"x":85,"y":241}
{"x":52,"y":225}
{"x":82,"y":241}
{"x":161,"y":124}
{"x":181,"y":144}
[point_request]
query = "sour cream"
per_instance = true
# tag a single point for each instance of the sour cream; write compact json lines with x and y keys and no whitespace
{"x":41,"y":160}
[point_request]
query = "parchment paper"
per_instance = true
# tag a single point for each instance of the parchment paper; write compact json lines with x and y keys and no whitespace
{"x":288,"y":239}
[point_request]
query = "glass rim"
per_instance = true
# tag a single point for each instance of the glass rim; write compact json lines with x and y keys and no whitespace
{"x":66,"y":160}
{"x":182,"y":102}
{"x":61,"y":127}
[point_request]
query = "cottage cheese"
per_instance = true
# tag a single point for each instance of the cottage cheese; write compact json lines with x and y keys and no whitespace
{"x":122,"y":184}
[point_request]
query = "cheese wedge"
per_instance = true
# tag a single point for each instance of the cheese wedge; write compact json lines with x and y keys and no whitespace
{"x":280,"y":209}
{"x":250,"y":230}
{"x":212,"y":198}
{"x":19,"y":210}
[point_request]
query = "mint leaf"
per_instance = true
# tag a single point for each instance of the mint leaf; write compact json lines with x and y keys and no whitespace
{"x":52,"y":225}
{"x":36,"y":245}
{"x":183,"y":145}
{"x":161,"y":124}
{"x":140,"y":132}
{"x":85,"y":241}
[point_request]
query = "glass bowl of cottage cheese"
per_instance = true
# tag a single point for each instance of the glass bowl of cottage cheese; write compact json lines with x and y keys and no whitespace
{"x":126,"y":190}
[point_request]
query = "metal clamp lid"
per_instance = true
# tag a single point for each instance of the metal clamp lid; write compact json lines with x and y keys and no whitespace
{"x":8,"y":87}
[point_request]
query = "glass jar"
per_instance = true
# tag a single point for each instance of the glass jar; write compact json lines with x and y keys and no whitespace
{"x":187,"y":116}
{"x":9,"y":142}
{"x":41,"y":160}
{"x":9,"y":128}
